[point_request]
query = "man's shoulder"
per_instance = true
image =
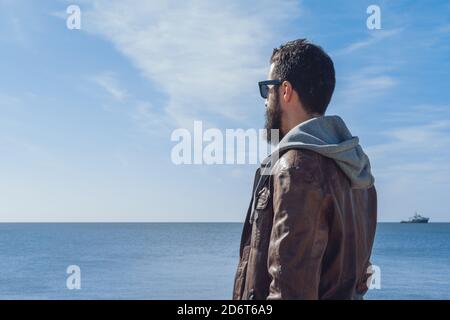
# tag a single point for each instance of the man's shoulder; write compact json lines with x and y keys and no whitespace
{"x":299,"y":165}
{"x":299,"y":158}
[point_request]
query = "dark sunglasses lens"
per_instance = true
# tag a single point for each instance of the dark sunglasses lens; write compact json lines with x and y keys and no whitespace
{"x":264,"y":89}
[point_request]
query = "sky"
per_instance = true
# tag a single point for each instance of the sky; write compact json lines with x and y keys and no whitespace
{"x":86,"y":116}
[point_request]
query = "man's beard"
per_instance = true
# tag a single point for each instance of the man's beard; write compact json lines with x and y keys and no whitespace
{"x":273,"y":121}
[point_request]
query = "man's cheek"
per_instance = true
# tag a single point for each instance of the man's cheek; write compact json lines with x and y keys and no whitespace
{"x":269,"y":104}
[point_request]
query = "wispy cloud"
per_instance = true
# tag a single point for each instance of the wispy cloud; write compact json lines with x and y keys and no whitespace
{"x":418,"y":114}
{"x":415,"y":141}
{"x":147,"y":119}
{"x":412,"y":168}
{"x":143,"y":114}
{"x":375,"y":36}
{"x":60,"y":14}
{"x":109,"y":82}
{"x":364,"y":85}
{"x":206,"y":56}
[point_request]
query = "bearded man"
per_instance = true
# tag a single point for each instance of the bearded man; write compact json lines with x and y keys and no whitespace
{"x":310,"y":226}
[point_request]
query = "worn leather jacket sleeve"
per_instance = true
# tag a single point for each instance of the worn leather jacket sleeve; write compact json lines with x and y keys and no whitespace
{"x":300,"y":232}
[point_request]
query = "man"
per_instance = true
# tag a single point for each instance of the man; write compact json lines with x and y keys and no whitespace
{"x":311,"y":223}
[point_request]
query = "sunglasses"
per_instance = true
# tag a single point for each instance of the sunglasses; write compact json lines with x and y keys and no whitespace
{"x":264,"y":87}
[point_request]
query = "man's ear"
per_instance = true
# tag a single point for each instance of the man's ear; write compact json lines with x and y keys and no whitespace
{"x":286,"y":91}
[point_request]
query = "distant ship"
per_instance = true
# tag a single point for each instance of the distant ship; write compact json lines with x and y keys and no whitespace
{"x":417,"y":219}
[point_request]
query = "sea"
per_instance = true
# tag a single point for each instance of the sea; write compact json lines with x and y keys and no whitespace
{"x":189,"y":260}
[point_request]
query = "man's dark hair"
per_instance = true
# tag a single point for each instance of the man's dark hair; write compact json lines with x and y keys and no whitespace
{"x":310,"y":71}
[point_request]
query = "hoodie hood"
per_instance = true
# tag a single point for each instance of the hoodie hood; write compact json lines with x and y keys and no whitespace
{"x":330,"y":137}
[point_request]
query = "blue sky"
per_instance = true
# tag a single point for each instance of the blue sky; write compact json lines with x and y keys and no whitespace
{"x":86,"y":115}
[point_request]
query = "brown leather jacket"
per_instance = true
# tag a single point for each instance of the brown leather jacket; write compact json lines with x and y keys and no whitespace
{"x":309,"y":235}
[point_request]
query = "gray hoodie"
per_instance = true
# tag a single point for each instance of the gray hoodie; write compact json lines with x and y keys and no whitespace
{"x":330,"y":137}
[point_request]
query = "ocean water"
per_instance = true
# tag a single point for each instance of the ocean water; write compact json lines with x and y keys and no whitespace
{"x":190,"y":260}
